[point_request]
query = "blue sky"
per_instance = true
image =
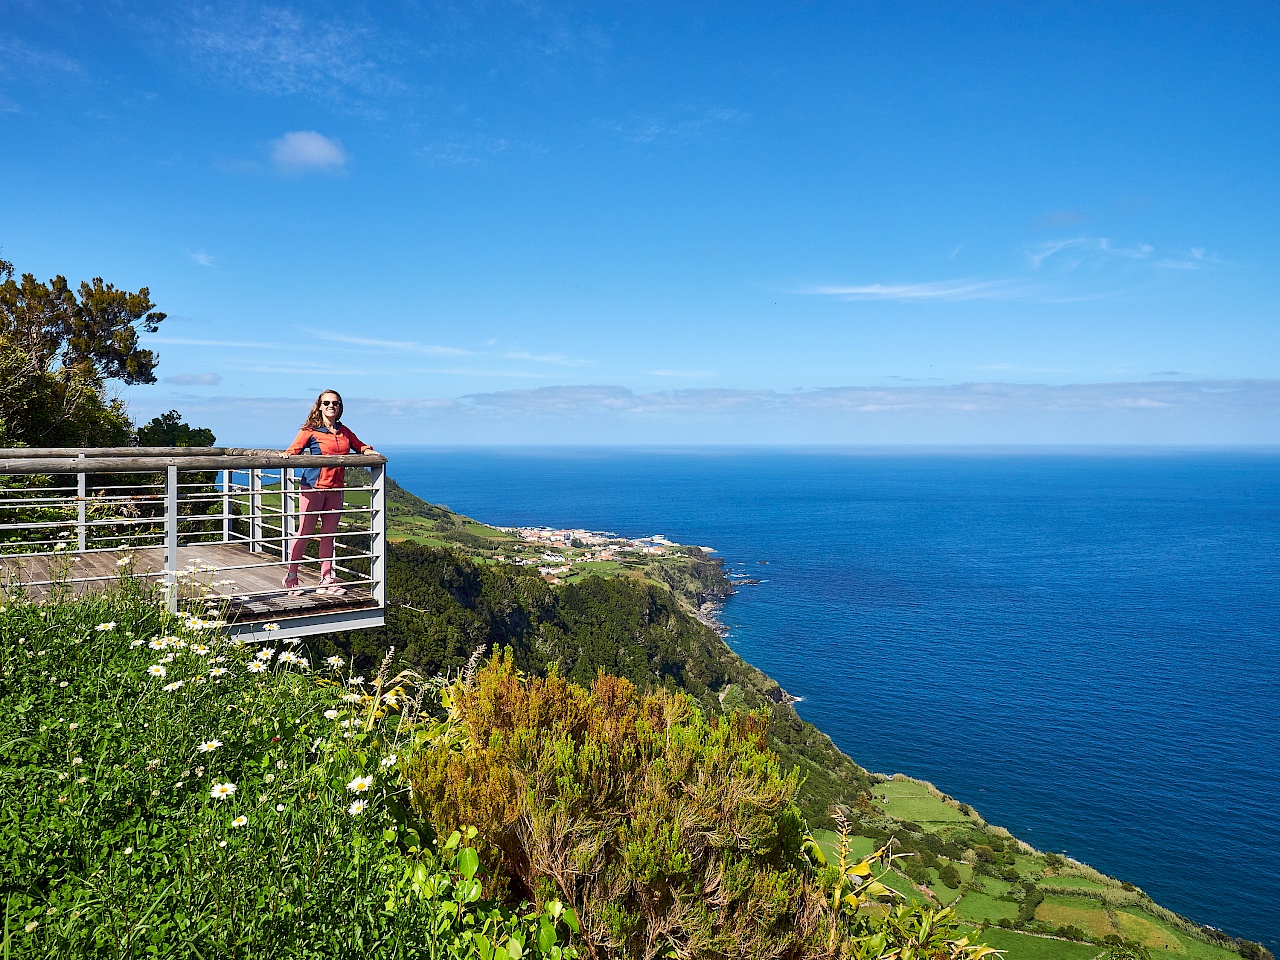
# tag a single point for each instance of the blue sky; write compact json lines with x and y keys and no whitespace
{"x":669,"y":223}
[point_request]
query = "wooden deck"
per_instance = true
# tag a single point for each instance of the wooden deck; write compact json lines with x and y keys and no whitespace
{"x":252,"y":597}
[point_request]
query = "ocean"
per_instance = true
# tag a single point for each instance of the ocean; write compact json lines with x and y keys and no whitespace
{"x":1085,"y":646}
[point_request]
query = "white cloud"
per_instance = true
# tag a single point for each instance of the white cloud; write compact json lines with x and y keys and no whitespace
{"x":232,"y":344}
{"x":204,"y":259}
{"x":1060,"y":271}
{"x":396,"y":346}
{"x":195,"y":379}
{"x":279,"y":51}
{"x":464,"y":151}
{"x":942,"y":290}
{"x":15,"y":53}
{"x":1081,"y":249}
{"x":555,"y":358}
{"x":302,"y":150}
{"x":965,"y":398}
{"x":686,"y":122}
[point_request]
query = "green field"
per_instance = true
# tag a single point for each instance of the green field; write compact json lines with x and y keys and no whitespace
{"x":1089,"y":915}
{"x":976,"y":907}
{"x":1022,"y":946}
{"x":908,"y":800}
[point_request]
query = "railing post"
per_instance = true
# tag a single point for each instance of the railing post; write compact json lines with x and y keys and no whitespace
{"x":255,"y":509}
{"x":82,"y":509}
{"x":286,"y":513}
{"x":378,"y":529}
{"x":171,"y":535}
{"x":226,"y":506}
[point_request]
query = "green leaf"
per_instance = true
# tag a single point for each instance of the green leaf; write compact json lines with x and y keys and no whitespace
{"x":546,"y":936}
{"x":571,"y":918}
{"x":468,"y":862}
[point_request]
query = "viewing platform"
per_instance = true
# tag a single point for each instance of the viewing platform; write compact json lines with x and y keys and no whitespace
{"x":212,"y":526}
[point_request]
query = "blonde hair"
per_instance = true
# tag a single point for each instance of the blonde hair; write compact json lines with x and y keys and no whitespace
{"x":315,"y":419}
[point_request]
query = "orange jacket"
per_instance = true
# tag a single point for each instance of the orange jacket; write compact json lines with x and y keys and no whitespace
{"x":322,"y":442}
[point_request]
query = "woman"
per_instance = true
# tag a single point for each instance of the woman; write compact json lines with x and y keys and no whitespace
{"x":322,"y":435}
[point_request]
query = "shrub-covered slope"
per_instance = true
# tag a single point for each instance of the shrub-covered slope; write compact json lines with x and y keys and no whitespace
{"x":445,"y":605}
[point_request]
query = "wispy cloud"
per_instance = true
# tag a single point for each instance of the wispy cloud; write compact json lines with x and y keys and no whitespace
{"x":302,"y":150}
{"x":679,"y":123}
{"x":966,"y":398}
{"x":1079,"y":250}
{"x":556,"y":358}
{"x":194,"y":379}
{"x":462,"y":151}
{"x":200,"y":342}
{"x":16,"y":54}
{"x":276,"y":50}
{"x":941,"y":290}
{"x":203,"y":259}
{"x":1068,"y":270}
{"x":396,"y":346}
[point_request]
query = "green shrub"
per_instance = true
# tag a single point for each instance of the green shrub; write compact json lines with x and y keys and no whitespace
{"x":949,"y":875}
{"x":666,"y":830}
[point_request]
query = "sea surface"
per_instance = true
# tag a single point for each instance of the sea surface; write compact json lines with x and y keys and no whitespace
{"x":1085,"y":646}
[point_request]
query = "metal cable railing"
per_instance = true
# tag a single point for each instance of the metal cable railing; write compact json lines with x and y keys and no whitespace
{"x":221,"y":510}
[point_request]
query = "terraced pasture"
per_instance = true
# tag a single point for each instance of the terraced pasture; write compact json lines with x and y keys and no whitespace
{"x":1088,"y":915}
{"x":907,"y":800}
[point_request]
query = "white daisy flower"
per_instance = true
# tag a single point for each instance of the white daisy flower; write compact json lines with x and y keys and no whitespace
{"x":218,"y":672}
{"x":137,"y":643}
{"x":156,"y":670}
{"x":209,"y":746}
{"x":271,"y":626}
{"x":221,"y":791}
{"x":199,"y":648}
{"x":104,"y":627}
{"x":336,"y":662}
{"x":331,"y":714}
{"x":360,"y":784}
{"x":159,"y":643}
{"x":257,"y":666}
{"x":170,"y":687}
{"x":390,"y":760}
{"x":240,"y":821}
{"x":357,"y":807}
{"x":266,"y":653}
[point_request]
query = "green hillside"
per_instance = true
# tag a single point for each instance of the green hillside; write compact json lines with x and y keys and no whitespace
{"x":454,"y":587}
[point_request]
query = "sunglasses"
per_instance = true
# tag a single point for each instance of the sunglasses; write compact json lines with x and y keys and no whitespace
{"x":330,"y":403}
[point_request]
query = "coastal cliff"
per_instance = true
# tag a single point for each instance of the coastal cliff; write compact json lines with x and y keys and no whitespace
{"x":649,"y":615}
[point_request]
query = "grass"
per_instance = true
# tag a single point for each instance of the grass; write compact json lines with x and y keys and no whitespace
{"x":1021,"y":946}
{"x":976,"y":907}
{"x":172,"y":793}
{"x":908,"y":800}
{"x":1088,"y":915}
{"x":940,"y":890}
{"x":1148,"y":931}
{"x":1079,"y":883}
